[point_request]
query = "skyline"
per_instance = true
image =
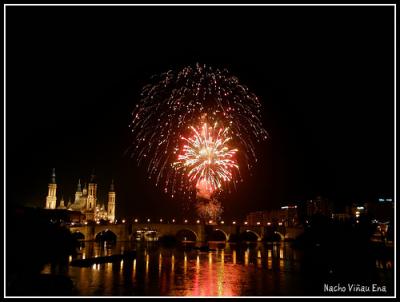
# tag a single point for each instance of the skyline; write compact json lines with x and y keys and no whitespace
{"x":327,"y":95}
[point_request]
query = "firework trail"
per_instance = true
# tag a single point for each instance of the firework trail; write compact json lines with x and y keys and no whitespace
{"x":177,"y":107}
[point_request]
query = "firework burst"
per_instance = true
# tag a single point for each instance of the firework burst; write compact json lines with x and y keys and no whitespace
{"x":192,"y":97}
{"x":207,"y":159}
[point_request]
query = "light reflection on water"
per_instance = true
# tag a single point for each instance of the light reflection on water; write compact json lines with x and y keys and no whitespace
{"x":229,"y":270}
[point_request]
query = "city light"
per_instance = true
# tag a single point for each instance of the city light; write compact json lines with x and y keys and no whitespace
{"x":148,"y":219}
{"x":198,"y":221}
{"x":161,"y":220}
{"x":136,"y":220}
{"x":98,"y":222}
{"x":222,"y":222}
{"x":258,"y":223}
{"x":186,"y":221}
{"x":123,"y":220}
{"x":268,"y":223}
{"x":210,"y":221}
{"x":246,"y":222}
{"x":173,"y":220}
{"x":234,"y":222}
{"x":279,"y":223}
{"x":86,"y":222}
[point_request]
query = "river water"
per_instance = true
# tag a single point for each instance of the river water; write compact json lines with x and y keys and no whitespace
{"x":256,"y":269}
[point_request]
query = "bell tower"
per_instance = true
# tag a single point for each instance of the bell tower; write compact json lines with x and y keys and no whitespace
{"x":111,"y":203}
{"x":51,"y":198}
{"x":91,"y":199}
{"x":78,"y":193}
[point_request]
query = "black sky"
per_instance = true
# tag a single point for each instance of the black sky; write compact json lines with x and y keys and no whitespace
{"x":324,"y":74}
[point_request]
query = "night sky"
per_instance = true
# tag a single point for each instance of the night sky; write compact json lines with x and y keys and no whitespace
{"x":325,"y":76}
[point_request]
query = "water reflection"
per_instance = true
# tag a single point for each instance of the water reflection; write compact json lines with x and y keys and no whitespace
{"x":229,"y":270}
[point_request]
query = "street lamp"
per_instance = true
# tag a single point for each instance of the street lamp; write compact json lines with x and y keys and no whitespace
{"x":186,"y":221}
{"x":245,"y":222}
{"x":234,"y":222}
{"x":198,"y":221}
{"x":148,"y":219}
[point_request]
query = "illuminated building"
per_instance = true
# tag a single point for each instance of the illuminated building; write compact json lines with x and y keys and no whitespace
{"x":86,"y":201}
{"x":51,"y":198}
{"x":286,"y":215}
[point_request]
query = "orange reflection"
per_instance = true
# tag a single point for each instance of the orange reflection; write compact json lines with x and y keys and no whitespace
{"x":198,"y":264}
{"x":147,"y":265}
{"x":134,"y":268}
{"x":159,"y":264}
{"x":269,"y":260}
{"x":184,"y":264}
{"x":172,"y":264}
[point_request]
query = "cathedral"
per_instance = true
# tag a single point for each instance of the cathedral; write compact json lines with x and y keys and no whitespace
{"x":85,"y":200}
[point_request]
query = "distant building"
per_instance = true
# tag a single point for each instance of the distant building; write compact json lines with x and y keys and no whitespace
{"x":85,"y":202}
{"x":319,"y":205}
{"x":381,"y":210}
{"x":286,"y":215}
{"x":341,"y":217}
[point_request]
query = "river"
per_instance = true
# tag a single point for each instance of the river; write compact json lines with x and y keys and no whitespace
{"x":256,"y":269}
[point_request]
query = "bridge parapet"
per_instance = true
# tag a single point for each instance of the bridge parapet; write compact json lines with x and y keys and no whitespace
{"x":125,"y":231}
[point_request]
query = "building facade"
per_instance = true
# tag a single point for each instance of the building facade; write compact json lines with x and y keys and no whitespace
{"x":85,"y":201}
{"x":286,"y":215}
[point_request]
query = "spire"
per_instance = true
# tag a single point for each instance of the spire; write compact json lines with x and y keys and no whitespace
{"x":112,"y":186}
{"x":79,"y":188}
{"x":53,"y":176}
{"x":84,"y":189}
{"x":92,"y":176}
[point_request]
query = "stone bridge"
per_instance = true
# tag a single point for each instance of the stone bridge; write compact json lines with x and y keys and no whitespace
{"x":126,"y":231}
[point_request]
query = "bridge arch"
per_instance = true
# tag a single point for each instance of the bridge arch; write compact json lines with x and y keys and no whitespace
{"x":180,"y":234}
{"x":78,"y":235}
{"x":246,"y":232}
{"x":282,"y":237}
{"x":106,"y":235}
{"x":216,"y":231}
